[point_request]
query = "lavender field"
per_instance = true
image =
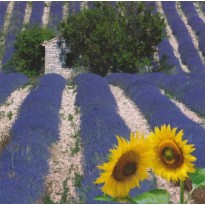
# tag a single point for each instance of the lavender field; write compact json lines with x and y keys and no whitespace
{"x":55,"y":131}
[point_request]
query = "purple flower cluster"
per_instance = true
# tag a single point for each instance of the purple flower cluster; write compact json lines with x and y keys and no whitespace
{"x":37,"y":12}
{"x":3,"y":7}
{"x":24,"y":160}
{"x":166,"y":50}
{"x":74,"y":7}
{"x":188,"y":53}
{"x":195,"y":22}
{"x":189,"y":89}
{"x":138,"y":80}
{"x":56,"y":14}
{"x":9,"y":83}
{"x":9,"y":47}
{"x":159,"y":110}
{"x":15,"y":27}
{"x":99,"y":125}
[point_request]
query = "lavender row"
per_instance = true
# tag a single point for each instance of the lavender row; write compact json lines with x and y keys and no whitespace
{"x":119,"y":79}
{"x":99,"y":126}
{"x":192,"y":16}
{"x":23,"y":162}
{"x":165,"y":50}
{"x":3,"y":8}
{"x":37,"y":12}
{"x":15,"y":27}
{"x":159,"y":110}
{"x":9,"y":83}
{"x":195,"y":22}
{"x":56,"y":14}
{"x":74,"y":7}
{"x":187,"y":51}
{"x":188,"y":89}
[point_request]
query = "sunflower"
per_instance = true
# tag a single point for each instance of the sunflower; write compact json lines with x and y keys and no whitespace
{"x":172,"y":159}
{"x":127,"y":166}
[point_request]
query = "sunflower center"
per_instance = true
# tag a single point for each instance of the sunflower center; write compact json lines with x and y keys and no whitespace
{"x":171,"y":154}
{"x":168,"y":153}
{"x":126,"y":166}
{"x":129,"y":169}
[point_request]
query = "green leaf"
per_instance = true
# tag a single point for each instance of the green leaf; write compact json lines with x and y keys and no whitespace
{"x":105,"y":198}
{"x":198,"y":178}
{"x":156,"y":196}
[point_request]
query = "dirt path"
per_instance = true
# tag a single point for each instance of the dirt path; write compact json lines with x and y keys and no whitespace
{"x":173,"y":41}
{"x":190,"y":31}
{"x":9,"y":112}
{"x":46,"y":13}
{"x":66,"y":162}
{"x":134,"y":119}
{"x":7,"y":21}
{"x":129,"y":112}
{"x":200,"y":12}
{"x":188,"y":112}
{"x":27,"y":15}
{"x":65,"y":9}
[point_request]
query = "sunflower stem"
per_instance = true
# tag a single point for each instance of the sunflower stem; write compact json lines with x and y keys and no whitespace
{"x":189,"y":195}
{"x":181,"y":192}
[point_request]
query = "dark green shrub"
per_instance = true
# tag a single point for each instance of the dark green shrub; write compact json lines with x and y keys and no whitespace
{"x":28,"y":54}
{"x":113,"y":39}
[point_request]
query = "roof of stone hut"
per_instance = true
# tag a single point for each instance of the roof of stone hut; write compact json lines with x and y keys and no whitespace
{"x":49,"y":41}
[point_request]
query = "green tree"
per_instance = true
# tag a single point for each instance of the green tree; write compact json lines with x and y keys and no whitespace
{"x":113,"y":39}
{"x":28,"y":54}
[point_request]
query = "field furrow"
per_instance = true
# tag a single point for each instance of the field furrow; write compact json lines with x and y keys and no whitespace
{"x":66,"y":161}
{"x":158,"y":109}
{"x":100,"y":124}
{"x":24,"y":160}
{"x":57,"y":128}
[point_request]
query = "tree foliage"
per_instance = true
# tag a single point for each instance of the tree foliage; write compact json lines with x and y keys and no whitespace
{"x":113,"y":39}
{"x":28,"y":54}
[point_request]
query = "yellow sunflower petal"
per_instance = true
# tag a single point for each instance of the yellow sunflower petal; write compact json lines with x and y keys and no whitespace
{"x":127,"y":166}
{"x":171,"y":157}
{"x":121,"y":141}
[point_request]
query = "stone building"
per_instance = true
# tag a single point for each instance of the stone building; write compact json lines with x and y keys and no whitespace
{"x":58,"y":58}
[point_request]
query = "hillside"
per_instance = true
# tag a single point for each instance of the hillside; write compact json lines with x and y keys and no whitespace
{"x":55,"y":131}
{"x":186,"y":39}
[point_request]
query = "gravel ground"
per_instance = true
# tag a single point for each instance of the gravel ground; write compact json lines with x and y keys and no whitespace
{"x":188,"y":112}
{"x":27,"y":14}
{"x":46,"y":13}
{"x":64,"y":164}
{"x":9,"y":112}
{"x":190,"y":31}
{"x":129,"y":112}
{"x":134,"y":119}
{"x":173,"y":41}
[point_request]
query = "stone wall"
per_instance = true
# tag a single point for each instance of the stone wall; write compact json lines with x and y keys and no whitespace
{"x":55,"y":51}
